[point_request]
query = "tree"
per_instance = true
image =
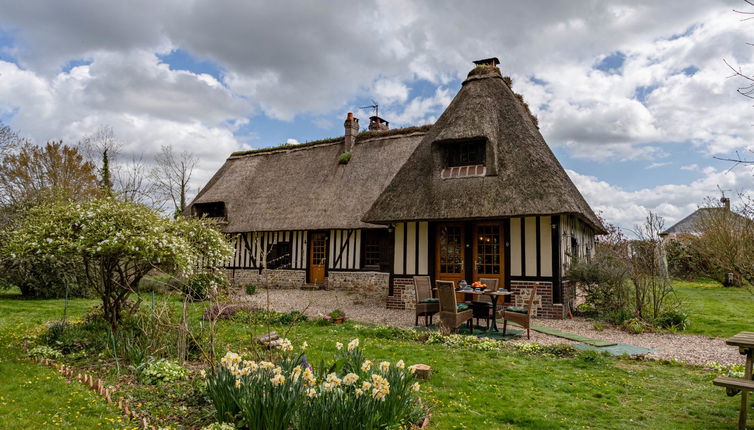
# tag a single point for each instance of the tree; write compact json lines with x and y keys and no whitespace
{"x":172,"y":175}
{"x":35,"y":173}
{"x":126,"y":181}
{"x":117,"y":243}
{"x":725,"y":242}
{"x":9,"y":140}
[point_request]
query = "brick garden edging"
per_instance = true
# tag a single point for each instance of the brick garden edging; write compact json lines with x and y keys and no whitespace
{"x":98,"y":387}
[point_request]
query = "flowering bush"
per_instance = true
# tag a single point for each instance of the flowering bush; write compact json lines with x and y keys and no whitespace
{"x":199,"y":285}
{"x":219,"y":426}
{"x":162,"y":371}
{"x":351,"y":393}
{"x":116,"y":244}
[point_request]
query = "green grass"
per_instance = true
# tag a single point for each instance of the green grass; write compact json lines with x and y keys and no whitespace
{"x":36,"y":396}
{"x":469,"y":389}
{"x":715,"y":310}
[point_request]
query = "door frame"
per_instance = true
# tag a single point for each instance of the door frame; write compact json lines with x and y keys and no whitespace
{"x":309,"y":245}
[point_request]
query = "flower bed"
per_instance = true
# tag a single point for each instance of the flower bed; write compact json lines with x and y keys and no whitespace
{"x":348,"y":393}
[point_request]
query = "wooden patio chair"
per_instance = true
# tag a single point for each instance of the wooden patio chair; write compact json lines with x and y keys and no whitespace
{"x":426,"y":305}
{"x":521,"y":315}
{"x":450,"y":315}
{"x":482,"y":308}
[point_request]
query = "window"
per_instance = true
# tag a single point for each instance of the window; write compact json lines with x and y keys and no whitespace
{"x":451,"y":249}
{"x":488,"y":250}
{"x":376,"y":250}
{"x":469,"y":153}
{"x":279,"y":256}
{"x":574,"y":247}
{"x":210,"y":210}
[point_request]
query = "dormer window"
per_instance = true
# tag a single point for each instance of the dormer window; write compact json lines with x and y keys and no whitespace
{"x":463,"y":159}
{"x":459,"y":154}
{"x":210,"y":210}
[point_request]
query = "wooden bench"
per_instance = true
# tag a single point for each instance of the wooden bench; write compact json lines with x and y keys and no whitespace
{"x":734,"y":386}
{"x":745,"y":343}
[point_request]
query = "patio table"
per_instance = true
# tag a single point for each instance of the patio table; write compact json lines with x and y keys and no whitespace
{"x":494,"y":295}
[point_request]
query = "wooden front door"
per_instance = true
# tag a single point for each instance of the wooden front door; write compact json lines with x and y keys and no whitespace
{"x":488,"y":252}
{"x":449,"y":252}
{"x":317,"y":257}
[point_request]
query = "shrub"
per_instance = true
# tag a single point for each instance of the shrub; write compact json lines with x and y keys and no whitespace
{"x":346,"y":393}
{"x":199,"y":285}
{"x":337,"y":313}
{"x":635,"y":326}
{"x":160,"y":284}
{"x":250,"y":289}
{"x":675,"y":319}
{"x":43,"y":351}
{"x":159,"y":371}
{"x":219,"y":426}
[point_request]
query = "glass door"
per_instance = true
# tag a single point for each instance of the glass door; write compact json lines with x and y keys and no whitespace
{"x":449,"y":252}
{"x":488,"y":252}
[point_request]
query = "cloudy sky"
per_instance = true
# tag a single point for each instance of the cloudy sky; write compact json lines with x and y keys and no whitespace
{"x":633,"y":96}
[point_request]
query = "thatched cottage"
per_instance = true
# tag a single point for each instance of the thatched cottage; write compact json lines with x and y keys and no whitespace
{"x":477,"y":194}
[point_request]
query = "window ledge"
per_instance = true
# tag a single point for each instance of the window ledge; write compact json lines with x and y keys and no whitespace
{"x":463,"y":171}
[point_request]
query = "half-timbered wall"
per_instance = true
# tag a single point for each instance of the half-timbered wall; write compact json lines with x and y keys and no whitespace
{"x":345,"y":250}
{"x":577,"y":240}
{"x":251,"y":248}
{"x":531,"y":247}
{"x":411,"y":248}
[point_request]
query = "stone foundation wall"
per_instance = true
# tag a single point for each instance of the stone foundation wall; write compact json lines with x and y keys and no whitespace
{"x":404,"y":296}
{"x":269,"y":278}
{"x":545,"y":308}
{"x":369,"y":283}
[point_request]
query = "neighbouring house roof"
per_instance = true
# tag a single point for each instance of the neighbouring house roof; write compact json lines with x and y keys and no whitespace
{"x":690,"y":224}
{"x":304,"y":187}
{"x":529,"y":180}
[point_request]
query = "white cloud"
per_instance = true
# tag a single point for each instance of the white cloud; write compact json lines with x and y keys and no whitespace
{"x":670,"y":201}
{"x":292,"y":141}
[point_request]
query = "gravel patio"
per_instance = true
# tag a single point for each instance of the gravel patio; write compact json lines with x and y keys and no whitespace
{"x":693,"y":349}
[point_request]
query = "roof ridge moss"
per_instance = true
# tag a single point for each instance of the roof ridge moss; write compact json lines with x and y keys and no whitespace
{"x":364,"y":135}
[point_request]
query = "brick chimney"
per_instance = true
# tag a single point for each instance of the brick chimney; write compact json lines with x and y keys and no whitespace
{"x":352,"y":129}
{"x":377,"y":123}
{"x":726,"y":202}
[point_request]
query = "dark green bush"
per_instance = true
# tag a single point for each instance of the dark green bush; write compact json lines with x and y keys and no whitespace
{"x":44,"y":278}
{"x":250,"y":289}
{"x":199,"y":285}
{"x":684,"y":261}
{"x":675,"y":319}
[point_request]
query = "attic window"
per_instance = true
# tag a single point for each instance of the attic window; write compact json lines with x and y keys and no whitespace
{"x":465,"y":153}
{"x":209,"y":210}
{"x":464,"y":159}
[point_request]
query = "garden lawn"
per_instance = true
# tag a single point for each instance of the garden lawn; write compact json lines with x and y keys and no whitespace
{"x":469,"y":389}
{"x":714,"y":310}
{"x":34,"y":396}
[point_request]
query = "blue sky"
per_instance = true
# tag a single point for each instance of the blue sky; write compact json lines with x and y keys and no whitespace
{"x":632,"y":96}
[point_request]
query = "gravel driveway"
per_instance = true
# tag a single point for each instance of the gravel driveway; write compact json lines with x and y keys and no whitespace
{"x":692,"y":349}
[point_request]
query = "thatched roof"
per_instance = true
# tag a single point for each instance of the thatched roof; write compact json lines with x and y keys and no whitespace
{"x":303,"y":187}
{"x":529,"y":179}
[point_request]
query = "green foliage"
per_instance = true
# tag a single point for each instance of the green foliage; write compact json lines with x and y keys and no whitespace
{"x":676,"y":319}
{"x":160,"y":371}
{"x":160,"y":284}
{"x":348,"y":392}
{"x":344,"y":158}
{"x":117,"y":243}
{"x":337,"y":313}
{"x":265,"y":317}
{"x":684,"y":260}
{"x":250,"y":289}
{"x":593,"y":357}
{"x":219,"y":426}
{"x":636,"y":326}
{"x":199,"y":285}
{"x":43,"y":351}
